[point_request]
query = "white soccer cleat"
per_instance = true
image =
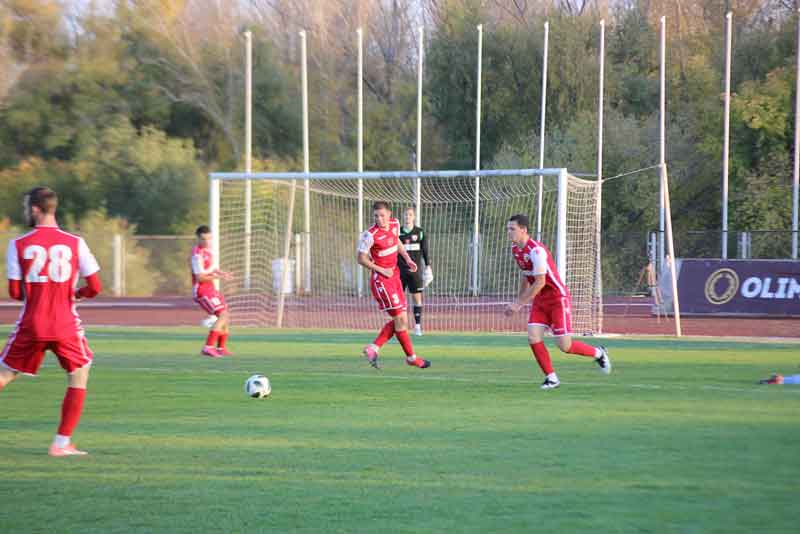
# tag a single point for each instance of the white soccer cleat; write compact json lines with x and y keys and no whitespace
{"x":603,"y":361}
{"x":418,"y":330}
{"x":209,"y":321}
{"x":550,"y":383}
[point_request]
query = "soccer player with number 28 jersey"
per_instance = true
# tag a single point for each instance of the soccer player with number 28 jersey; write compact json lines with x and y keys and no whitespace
{"x":377,"y":251}
{"x":43,"y":268}
{"x":551,"y":306}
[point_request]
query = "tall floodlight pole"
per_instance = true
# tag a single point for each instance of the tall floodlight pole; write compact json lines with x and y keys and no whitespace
{"x":540,"y":195}
{"x":306,"y":169}
{"x":476,"y":228}
{"x":662,"y":141}
{"x":796,"y":174}
{"x":726,"y":140}
{"x":248,"y":157}
{"x":418,"y":188}
{"x":599,"y":208}
{"x":360,"y":148}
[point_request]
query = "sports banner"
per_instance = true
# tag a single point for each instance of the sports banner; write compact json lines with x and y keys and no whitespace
{"x":736,"y":287}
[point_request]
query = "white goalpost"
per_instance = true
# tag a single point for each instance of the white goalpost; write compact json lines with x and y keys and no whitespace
{"x":472,"y":281}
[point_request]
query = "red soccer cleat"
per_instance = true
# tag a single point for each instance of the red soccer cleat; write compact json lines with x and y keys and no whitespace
{"x":418,"y":362}
{"x":211,"y":352}
{"x":222,"y":351}
{"x":371,"y":354}
{"x":69,"y":450}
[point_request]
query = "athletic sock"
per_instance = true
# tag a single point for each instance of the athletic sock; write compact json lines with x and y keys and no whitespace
{"x":413,"y":360}
{"x":582,"y":349}
{"x":221,"y":340}
{"x":542,"y":357}
{"x":71,"y":410}
{"x":405,"y":342}
{"x":385,"y":334}
{"x":61,"y":441}
{"x":418,"y":315}
{"x":211,"y":340}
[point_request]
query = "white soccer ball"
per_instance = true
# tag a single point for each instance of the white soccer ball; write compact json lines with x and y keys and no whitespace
{"x":209,"y":321}
{"x":258,"y":387}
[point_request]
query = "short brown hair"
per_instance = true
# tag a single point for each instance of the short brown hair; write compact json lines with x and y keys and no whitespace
{"x":380,"y":204}
{"x":43,"y":198}
{"x":202,"y":229}
{"x":521,"y":220}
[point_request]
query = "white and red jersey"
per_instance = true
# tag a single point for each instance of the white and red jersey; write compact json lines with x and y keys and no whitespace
{"x":534,"y":259}
{"x":202,"y":262}
{"x":48,"y":262}
{"x":382,"y":245}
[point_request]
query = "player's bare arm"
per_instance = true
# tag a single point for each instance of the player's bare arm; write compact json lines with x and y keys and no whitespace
{"x":214,"y":275}
{"x":402,"y":251}
{"x":526,"y":293}
{"x":364,"y":261}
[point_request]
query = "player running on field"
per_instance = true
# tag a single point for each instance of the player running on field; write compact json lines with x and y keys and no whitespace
{"x":551,"y":306}
{"x":206,"y":295}
{"x":415,"y":242}
{"x":377,"y":251}
{"x":43,"y":268}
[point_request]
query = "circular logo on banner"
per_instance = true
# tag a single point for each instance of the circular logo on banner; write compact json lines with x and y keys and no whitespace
{"x":722,"y":286}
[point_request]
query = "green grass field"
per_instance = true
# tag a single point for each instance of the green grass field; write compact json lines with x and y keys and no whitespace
{"x":677,"y":439}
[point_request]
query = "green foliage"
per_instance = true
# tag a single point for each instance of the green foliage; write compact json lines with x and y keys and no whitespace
{"x":126,"y":109}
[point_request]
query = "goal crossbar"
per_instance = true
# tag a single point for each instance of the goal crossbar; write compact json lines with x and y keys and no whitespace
{"x":382,"y":175}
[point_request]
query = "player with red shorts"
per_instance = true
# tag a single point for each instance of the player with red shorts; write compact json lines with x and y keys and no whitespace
{"x":205,"y":293}
{"x":551,"y":307}
{"x":377,"y":251}
{"x":43,"y":268}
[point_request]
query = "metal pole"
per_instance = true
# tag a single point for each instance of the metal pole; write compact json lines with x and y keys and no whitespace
{"x":662,"y":153}
{"x":418,"y":188}
{"x":213,"y":215}
{"x":561,"y":221}
{"x":796,"y":174}
{"x":360,"y":149}
{"x":540,"y":195}
{"x":676,"y":308}
{"x":599,"y":208}
{"x":476,"y":228}
{"x":726,"y":140}
{"x":287,"y":245}
{"x":306,"y":169}
{"x":248,"y":159}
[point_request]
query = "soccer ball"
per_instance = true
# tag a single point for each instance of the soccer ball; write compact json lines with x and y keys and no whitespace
{"x":209,"y":321}
{"x":258,"y":387}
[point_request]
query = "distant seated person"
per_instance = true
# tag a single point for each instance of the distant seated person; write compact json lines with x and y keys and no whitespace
{"x":780,"y":379}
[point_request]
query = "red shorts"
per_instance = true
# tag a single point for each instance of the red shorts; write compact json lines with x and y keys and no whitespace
{"x":388,"y":292}
{"x":25,"y":354}
{"x":555,"y":314}
{"x":212,"y":301}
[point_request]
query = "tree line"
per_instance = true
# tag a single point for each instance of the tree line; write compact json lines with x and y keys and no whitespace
{"x":128,"y":106}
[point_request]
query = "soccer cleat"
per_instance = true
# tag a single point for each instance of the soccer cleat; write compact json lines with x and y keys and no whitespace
{"x":211,"y":352}
{"x":418,"y":330}
{"x":419,"y":362}
{"x":69,"y":450}
{"x":774,"y":379}
{"x":371,"y":354}
{"x":222,"y":351}
{"x":603,"y":361}
{"x":550,"y":383}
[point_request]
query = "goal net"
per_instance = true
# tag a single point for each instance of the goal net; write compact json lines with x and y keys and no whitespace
{"x":293,"y":251}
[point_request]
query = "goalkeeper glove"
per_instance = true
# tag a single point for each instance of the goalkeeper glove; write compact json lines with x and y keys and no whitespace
{"x":427,"y":276}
